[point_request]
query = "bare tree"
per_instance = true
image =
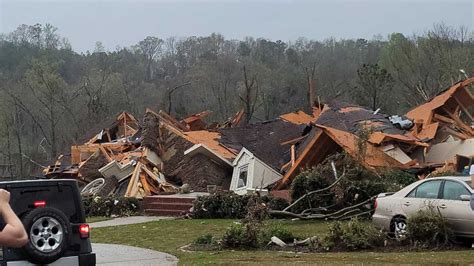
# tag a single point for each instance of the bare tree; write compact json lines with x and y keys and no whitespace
{"x":170,"y":92}
{"x":250,"y":95}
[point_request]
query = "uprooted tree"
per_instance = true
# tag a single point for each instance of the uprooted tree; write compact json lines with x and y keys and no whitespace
{"x":340,"y":188}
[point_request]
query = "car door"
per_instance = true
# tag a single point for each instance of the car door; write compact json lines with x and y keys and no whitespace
{"x":421,"y":197}
{"x":456,"y":211}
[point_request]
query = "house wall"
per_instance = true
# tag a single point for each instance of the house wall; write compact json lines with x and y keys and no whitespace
{"x":263,"y":175}
{"x":447,"y":151}
{"x":245,"y":159}
{"x":259,"y":175}
{"x":200,"y":171}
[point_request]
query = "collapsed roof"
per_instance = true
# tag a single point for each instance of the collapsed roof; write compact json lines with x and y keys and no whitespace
{"x":447,"y":114}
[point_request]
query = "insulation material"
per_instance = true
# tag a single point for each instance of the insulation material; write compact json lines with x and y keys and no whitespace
{"x":447,"y":151}
{"x":396,"y":153}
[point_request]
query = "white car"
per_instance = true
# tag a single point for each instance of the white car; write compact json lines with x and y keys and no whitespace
{"x":451,"y":195}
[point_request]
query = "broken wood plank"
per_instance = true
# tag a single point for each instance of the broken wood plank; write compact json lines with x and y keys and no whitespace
{"x":464,"y":108}
{"x":293,"y":141}
{"x":460,"y":123}
{"x":293,"y":155}
{"x":443,"y":118}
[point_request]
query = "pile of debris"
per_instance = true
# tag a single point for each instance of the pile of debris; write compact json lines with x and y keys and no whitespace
{"x":161,"y":154}
{"x":435,"y":136}
{"x":131,"y":159}
{"x":115,"y":154}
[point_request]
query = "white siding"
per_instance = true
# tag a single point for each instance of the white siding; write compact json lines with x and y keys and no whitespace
{"x":263,"y":175}
{"x":258,"y":173}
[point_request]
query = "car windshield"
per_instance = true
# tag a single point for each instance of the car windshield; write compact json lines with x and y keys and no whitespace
{"x":470,"y":184}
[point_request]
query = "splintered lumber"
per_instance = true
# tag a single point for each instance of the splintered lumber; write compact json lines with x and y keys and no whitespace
{"x":144,"y":182}
{"x":132,"y":188}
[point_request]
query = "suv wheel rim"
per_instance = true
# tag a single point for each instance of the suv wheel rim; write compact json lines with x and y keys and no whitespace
{"x":400,"y":229}
{"x":46,"y":234}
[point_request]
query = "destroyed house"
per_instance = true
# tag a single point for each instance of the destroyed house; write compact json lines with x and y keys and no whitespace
{"x":336,"y":129}
{"x":160,"y":153}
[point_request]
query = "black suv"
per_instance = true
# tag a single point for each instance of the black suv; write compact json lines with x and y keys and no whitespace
{"x":54,"y":219}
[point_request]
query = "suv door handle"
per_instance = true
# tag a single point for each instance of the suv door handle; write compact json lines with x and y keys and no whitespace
{"x":443,"y":206}
{"x":407,"y":203}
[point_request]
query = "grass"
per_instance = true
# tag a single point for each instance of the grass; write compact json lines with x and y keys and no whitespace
{"x":95,"y":219}
{"x":169,"y":235}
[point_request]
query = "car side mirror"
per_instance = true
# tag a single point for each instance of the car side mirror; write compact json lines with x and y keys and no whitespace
{"x":465,"y":197}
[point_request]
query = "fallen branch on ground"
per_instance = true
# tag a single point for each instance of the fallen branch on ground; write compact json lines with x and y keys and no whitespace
{"x":345,"y":213}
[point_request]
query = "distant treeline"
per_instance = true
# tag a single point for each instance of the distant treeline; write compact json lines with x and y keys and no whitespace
{"x":52,"y":95}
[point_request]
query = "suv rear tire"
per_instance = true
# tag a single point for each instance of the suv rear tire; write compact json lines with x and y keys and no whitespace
{"x":49,"y":233}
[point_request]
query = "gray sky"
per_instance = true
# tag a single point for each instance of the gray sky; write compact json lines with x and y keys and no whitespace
{"x":124,"y":23}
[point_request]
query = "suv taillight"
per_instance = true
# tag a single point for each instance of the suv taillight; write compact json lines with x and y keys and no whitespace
{"x":39,"y":203}
{"x":84,"y":230}
{"x":375,"y":204}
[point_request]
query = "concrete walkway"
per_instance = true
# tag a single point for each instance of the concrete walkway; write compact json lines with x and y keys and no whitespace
{"x":120,"y":255}
{"x":129,"y":220}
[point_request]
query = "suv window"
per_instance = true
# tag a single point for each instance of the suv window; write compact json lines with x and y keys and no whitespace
{"x":453,"y":190}
{"x":427,"y":190}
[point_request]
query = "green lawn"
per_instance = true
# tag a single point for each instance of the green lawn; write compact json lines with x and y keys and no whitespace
{"x":169,"y":235}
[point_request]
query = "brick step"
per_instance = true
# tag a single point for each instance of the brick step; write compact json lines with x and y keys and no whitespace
{"x":155,"y":212}
{"x":168,"y":206}
{"x":152,"y":199}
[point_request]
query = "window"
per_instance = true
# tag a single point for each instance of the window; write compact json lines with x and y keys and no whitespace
{"x":427,"y":190}
{"x":453,"y":190}
{"x":243,"y":171}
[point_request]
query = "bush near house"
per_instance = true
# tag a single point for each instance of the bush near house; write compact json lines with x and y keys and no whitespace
{"x":204,"y":240}
{"x":352,"y":235}
{"x":110,"y":206}
{"x":429,"y":229}
{"x":230,"y":205}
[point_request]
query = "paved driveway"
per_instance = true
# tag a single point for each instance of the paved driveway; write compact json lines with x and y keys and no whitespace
{"x":120,"y":255}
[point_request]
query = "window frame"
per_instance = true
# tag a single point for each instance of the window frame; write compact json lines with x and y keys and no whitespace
{"x":242,"y":169}
{"x":454,"y":181}
{"x":415,"y":189}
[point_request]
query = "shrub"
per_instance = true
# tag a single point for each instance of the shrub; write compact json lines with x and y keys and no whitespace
{"x":221,"y":205}
{"x":240,"y":236}
{"x":352,"y":235}
{"x":203,"y":240}
{"x":230,"y":205}
{"x":274,"y":203}
{"x":428,"y":228}
{"x":308,"y":181}
{"x":446,"y":173}
{"x":277,"y":230}
{"x":246,"y":235}
{"x":111,"y":206}
{"x":400,"y":177}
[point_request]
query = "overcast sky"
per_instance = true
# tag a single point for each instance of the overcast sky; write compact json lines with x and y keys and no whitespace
{"x":124,"y":23}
